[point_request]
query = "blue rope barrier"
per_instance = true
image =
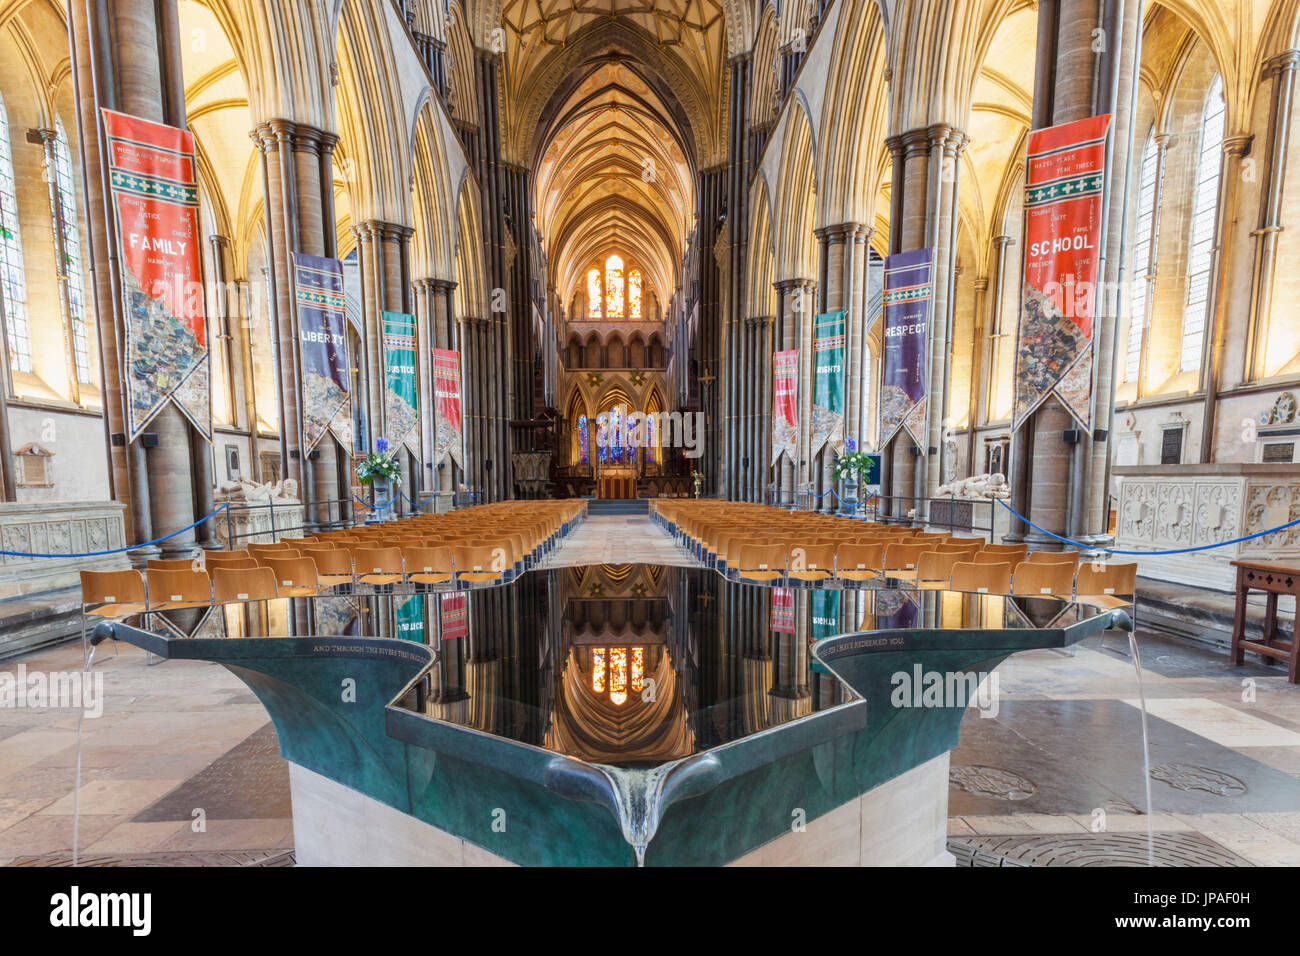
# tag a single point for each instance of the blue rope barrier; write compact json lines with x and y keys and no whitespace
{"x":414,"y":504}
{"x":134,"y":547}
{"x":1202,"y":547}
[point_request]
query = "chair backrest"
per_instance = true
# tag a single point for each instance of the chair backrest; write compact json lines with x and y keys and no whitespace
{"x":481,"y":559}
{"x":903,"y":557}
{"x":379,"y":561}
{"x":112,"y":587}
{"x":242,"y":584}
{"x":239,"y":563}
{"x":936,"y":565}
{"x":232,"y":553}
{"x":330,"y":560}
{"x":763,"y":557}
{"x":296,"y":572}
{"x":1018,"y":550}
{"x":1054,"y":557}
{"x":967,"y":552}
{"x":1118,"y":580}
{"x":262,"y":557}
{"x":1033,"y":580}
{"x":989,"y":556}
{"x":435,"y":560}
{"x":174,"y":564}
{"x":979,"y":544}
{"x":860,"y":557}
{"x":982,"y":578}
{"x":813,"y":557}
{"x":177,"y":585}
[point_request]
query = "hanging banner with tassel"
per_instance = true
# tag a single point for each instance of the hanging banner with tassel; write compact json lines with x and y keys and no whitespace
{"x":1065,"y":184}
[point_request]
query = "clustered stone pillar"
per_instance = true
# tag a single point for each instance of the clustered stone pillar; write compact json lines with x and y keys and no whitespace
{"x":1060,"y":473}
{"x":383,"y":250}
{"x":297,"y":164}
{"x":126,"y":58}
{"x":926,"y":163}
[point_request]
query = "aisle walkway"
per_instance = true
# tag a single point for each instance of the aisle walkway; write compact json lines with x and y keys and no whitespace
{"x":618,"y":539}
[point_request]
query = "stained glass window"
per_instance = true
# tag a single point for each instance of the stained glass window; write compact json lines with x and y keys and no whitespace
{"x":618,"y":675}
{"x":613,"y":288}
{"x":616,"y":442}
{"x":593,"y":294}
{"x":1146,"y":236}
{"x":634,"y":294}
{"x":650,"y":438}
{"x":598,"y":670}
{"x":602,"y":438}
{"x":76,"y":316}
{"x":12,"y":284}
{"x":584,"y":442}
{"x":1200,"y":256}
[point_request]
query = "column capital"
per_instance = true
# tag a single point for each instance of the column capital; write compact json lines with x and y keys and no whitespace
{"x":1237,"y":145}
{"x":442,"y":285}
{"x":981,"y":283}
{"x":383,"y":231}
{"x":1001,"y":241}
{"x":220,"y":241}
{"x":1285,"y":62}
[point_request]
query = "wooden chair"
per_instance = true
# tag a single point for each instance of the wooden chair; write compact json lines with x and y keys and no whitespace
{"x":481,"y":564}
{"x":763,"y":562}
{"x":980,"y":578}
{"x":378,"y":566}
{"x":114,"y":594}
{"x":1055,"y":579}
{"x":935,"y":568}
{"x":171,"y":590}
{"x":294,"y":577}
{"x":333,"y":566}
{"x":813,"y":563}
{"x":1108,"y":586}
{"x":901,"y":559}
{"x":230,"y":585}
{"x":1010,"y":553}
{"x":859,"y":562}
{"x":424,"y":565}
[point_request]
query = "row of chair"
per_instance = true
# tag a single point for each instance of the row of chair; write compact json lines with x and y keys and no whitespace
{"x":762,"y":544}
{"x":480,"y":545}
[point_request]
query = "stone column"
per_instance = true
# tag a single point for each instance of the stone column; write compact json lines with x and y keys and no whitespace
{"x":123,"y":61}
{"x":1282,"y":71}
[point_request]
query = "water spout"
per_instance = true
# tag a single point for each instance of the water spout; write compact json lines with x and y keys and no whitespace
{"x":1146,"y":749}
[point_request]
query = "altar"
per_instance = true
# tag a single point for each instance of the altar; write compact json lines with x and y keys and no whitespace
{"x":616,"y":483}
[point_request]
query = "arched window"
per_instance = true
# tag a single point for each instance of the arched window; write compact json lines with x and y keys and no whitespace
{"x":634,"y":294}
{"x":650,"y":438}
{"x":614,"y":288}
{"x":584,"y":441}
{"x":1200,"y":254}
{"x":1143,"y":261}
{"x":595,"y":298}
{"x":71,"y":271}
{"x":12,"y":284}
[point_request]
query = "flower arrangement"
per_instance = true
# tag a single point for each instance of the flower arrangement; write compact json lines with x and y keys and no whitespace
{"x":379,"y":463}
{"x":853,"y":465}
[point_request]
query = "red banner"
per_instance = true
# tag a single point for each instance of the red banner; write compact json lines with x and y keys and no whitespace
{"x":1065,"y":190}
{"x":785,"y":412}
{"x":783,"y":610}
{"x":454,"y":611}
{"x":155,"y":196}
{"x":446,"y":393}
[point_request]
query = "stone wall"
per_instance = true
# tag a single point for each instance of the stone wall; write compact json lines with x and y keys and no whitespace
{"x":59,"y":528}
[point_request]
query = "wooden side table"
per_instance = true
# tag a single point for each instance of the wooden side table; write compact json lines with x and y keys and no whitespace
{"x":1273,"y":578}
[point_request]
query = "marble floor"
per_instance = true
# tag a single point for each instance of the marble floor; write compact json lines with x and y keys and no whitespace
{"x":182,"y":763}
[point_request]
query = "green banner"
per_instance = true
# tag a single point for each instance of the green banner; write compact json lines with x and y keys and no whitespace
{"x":410,"y":619}
{"x":828,"y":381}
{"x":825,"y":611}
{"x":401,"y":407}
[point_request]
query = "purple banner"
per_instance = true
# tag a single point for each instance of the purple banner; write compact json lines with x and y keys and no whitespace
{"x":909,"y":298}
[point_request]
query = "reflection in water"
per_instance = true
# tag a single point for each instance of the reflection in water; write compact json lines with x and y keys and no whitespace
{"x":629,"y":665}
